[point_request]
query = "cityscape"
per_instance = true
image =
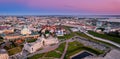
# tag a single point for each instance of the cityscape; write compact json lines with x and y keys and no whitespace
{"x":59,"y":37}
{"x":59,"y":29}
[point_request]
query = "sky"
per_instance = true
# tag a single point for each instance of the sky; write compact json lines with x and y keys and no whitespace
{"x":59,"y":7}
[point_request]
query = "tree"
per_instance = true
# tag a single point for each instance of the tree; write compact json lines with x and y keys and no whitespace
{"x":115,"y":34}
{"x":1,"y":38}
{"x":102,"y":29}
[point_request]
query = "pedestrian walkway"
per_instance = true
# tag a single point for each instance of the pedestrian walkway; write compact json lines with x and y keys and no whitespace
{"x":65,"y":50}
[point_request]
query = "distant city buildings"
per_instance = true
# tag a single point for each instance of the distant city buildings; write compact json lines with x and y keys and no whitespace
{"x":47,"y":29}
{"x":109,"y":25}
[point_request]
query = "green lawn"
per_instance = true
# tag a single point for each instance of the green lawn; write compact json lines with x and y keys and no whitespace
{"x":73,"y":48}
{"x":31,"y":40}
{"x":14,"y":50}
{"x":68,"y":36}
{"x":87,"y":37}
{"x":37,"y":56}
{"x":104,"y":36}
{"x":95,"y":51}
{"x":83,"y":35}
{"x":53,"y":54}
{"x":76,"y":47}
{"x":61,"y":37}
{"x":61,"y":47}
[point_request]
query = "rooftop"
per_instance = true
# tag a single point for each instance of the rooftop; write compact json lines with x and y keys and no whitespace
{"x":2,"y":51}
{"x":113,"y":54}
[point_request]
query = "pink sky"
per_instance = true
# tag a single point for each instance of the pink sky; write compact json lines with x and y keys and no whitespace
{"x":92,"y":6}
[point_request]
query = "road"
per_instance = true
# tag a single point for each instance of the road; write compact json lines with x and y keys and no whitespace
{"x":104,"y":40}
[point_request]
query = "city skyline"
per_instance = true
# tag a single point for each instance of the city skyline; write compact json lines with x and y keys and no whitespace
{"x":59,"y":7}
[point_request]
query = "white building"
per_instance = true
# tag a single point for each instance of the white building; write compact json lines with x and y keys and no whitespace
{"x":50,"y":41}
{"x":3,"y":54}
{"x":74,"y":29}
{"x":59,"y":33}
{"x":33,"y":47}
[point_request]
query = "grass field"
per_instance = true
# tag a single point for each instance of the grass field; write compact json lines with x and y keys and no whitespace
{"x":31,"y":40}
{"x":37,"y":56}
{"x":76,"y":47}
{"x":104,"y":36}
{"x":61,"y":47}
{"x":87,"y":37}
{"x":53,"y":54}
{"x":14,"y":50}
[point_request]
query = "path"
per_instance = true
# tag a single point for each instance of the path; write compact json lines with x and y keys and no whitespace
{"x":104,"y":40}
{"x":65,"y":50}
{"x":66,"y":46}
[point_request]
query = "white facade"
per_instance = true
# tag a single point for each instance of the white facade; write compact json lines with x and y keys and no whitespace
{"x":3,"y":54}
{"x":59,"y":33}
{"x":74,"y":29}
{"x":33,"y":47}
{"x":50,"y":41}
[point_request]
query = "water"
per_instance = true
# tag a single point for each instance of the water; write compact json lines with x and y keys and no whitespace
{"x":82,"y":55}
